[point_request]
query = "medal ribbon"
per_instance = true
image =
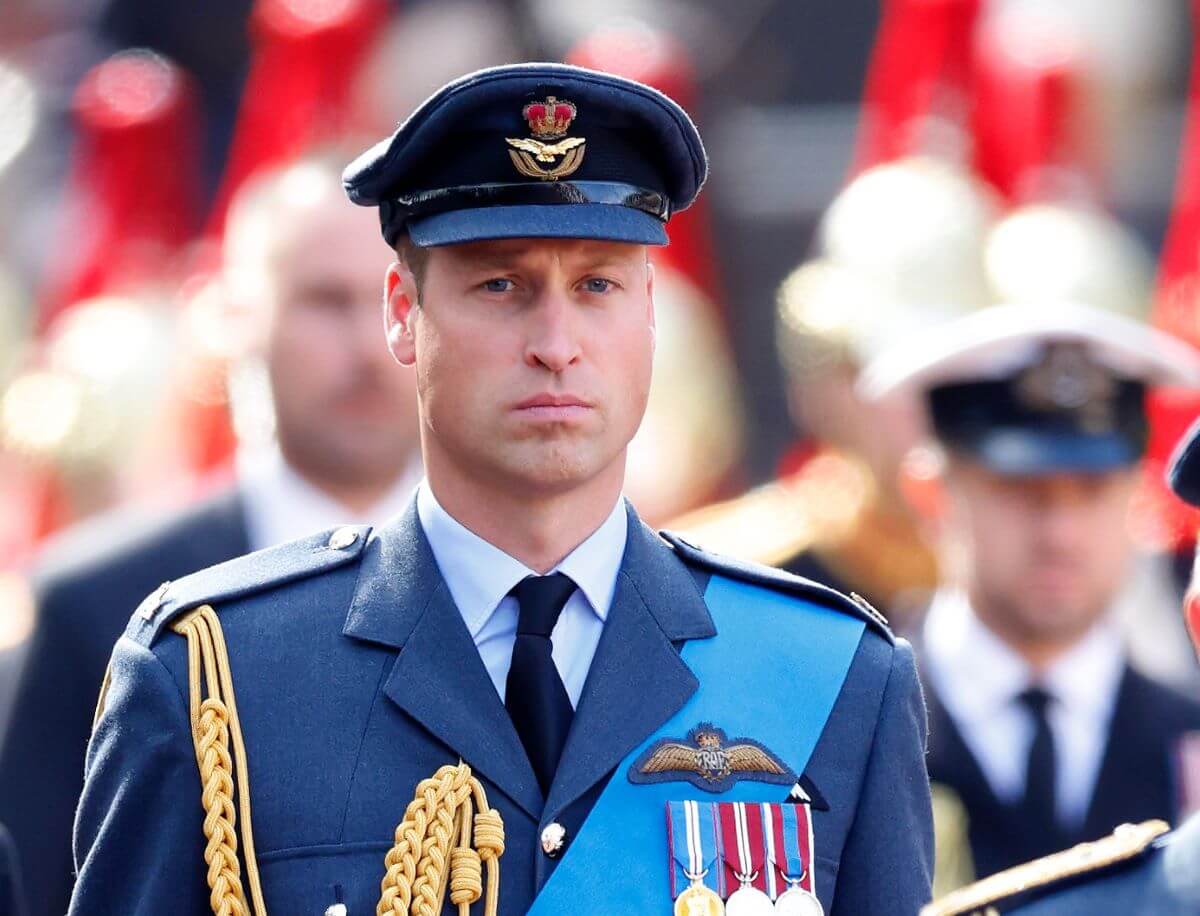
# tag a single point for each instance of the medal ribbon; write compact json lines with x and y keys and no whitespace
{"x":695,"y":846}
{"x":794,"y":847}
{"x":745,"y":851}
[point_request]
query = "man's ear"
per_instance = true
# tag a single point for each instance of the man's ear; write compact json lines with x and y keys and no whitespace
{"x":399,"y":310}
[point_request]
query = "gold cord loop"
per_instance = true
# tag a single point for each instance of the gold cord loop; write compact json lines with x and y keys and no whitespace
{"x":447,"y":836}
{"x":441,"y":813}
{"x":215,"y":728}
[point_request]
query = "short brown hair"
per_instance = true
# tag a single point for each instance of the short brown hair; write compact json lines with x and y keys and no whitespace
{"x":414,"y":257}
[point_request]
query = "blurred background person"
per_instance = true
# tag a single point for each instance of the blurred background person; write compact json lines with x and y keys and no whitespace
{"x":330,"y":437}
{"x":835,"y":513}
{"x":1038,"y":721}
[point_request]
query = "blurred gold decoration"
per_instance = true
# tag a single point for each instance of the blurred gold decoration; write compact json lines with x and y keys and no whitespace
{"x":915,"y":228}
{"x":105,"y":376}
{"x":41,"y":414}
{"x":954,"y":865}
{"x":1069,"y":253}
{"x":831,"y":508}
{"x":773,"y":523}
{"x":691,"y":437}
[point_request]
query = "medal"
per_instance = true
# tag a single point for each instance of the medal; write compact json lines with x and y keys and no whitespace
{"x":796,"y":901}
{"x":748,"y":900}
{"x":699,"y":900}
{"x":695,"y":847}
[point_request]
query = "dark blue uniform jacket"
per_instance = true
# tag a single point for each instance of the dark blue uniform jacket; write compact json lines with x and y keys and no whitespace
{"x":356,"y":677}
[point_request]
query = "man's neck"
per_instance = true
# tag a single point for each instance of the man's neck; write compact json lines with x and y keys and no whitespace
{"x":1037,"y":651}
{"x":539,"y":529}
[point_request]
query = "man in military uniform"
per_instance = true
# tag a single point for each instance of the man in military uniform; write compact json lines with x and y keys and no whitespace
{"x":517,"y":643}
{"x":1038,"y":722}
{"x":1140,"y":868}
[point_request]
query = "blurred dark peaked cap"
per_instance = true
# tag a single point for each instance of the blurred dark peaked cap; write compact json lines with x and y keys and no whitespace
{"x":1037,"y":389}
{"x":534,"y":151}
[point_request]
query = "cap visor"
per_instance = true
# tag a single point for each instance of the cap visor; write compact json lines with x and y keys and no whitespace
{"x":1023,"y":453}
{"x":601,"y":222}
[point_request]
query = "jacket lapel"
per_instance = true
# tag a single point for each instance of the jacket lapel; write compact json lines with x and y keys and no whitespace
{"x":637,"y":679}
{"x":438,"y":678}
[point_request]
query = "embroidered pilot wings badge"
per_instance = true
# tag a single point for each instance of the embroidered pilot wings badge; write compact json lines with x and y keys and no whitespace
{"x":709,"y":760}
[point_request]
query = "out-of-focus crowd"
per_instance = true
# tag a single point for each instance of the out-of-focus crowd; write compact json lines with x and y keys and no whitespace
{"x":192,"y":364}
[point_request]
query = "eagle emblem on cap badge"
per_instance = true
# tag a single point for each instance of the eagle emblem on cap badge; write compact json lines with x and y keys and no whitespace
{"x":536,"y":156}
{"x":709,"y":760}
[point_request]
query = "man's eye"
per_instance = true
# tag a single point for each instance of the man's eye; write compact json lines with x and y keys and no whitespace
{"x":498,"y":285}
{"x":598,"y":285}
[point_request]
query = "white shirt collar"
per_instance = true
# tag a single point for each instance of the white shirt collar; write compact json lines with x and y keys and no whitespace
{"x":963,"y":652}
{"x":479,"y":574}
{"x":282,"y":506}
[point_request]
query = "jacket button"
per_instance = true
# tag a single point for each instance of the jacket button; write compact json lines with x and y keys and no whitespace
{"x":554,"y":836}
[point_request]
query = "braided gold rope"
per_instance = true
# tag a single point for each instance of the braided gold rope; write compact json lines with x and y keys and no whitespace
{"x":442,"y":810}
{"x":214,"y":721}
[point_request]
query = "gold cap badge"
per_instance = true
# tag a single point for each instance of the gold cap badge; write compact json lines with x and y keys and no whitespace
{"x":548,"y":120}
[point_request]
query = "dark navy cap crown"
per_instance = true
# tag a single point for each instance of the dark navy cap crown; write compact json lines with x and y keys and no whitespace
{"x":1037,"y":388}
{"x":1183,"y":473}
{"x":1063,"y":412}
{"x":534,"y":150}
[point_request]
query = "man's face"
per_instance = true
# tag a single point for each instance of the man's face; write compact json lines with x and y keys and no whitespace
{"x":344,"y":411}
{"x":533,"y":358}
{"x":1042,"y":556}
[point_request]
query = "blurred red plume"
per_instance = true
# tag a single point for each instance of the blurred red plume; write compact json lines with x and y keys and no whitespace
{"x":920,"y":74}
{"x":306,"y":56}
{"x":133,"y":186}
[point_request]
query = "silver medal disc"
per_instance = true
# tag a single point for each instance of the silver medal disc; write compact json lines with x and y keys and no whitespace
{"x":796,"y":901}
{"x":748,"y":901}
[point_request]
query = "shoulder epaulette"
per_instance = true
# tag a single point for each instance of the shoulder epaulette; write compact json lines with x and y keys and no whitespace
{"x":1127,"y":842}
{"x":780,"y":580}
{"x":246,"y":575}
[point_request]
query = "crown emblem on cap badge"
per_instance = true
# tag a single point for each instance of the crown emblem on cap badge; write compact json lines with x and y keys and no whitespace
{"x":537,"y":156}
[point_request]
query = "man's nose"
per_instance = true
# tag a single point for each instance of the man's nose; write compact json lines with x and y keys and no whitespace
{"x":553,"y":340}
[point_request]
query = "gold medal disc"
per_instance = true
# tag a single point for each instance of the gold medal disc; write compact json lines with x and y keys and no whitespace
{"x":699,"y":900}
{"x":749,"y":901}
{"x":796,"y":901}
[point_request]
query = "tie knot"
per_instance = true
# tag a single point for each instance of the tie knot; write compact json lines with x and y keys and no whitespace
{"x":541,"y":599}
{"x":1036,"y":700}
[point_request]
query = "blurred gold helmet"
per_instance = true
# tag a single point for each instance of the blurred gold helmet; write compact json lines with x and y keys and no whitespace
{"x":915,"y":228}
{"x":1069,"y":253}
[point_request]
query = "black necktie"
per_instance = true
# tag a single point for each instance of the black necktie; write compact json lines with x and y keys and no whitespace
{"x":1038,"y":805}
{"x":534,"y":694}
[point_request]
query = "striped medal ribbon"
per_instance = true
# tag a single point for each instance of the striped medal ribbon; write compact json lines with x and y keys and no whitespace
{"x":745,"y":858}
{"x":694,"y":838}
{"x":792,"y":858}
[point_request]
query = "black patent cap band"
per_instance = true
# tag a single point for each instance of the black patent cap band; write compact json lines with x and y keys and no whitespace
{"x":394,"y":214}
